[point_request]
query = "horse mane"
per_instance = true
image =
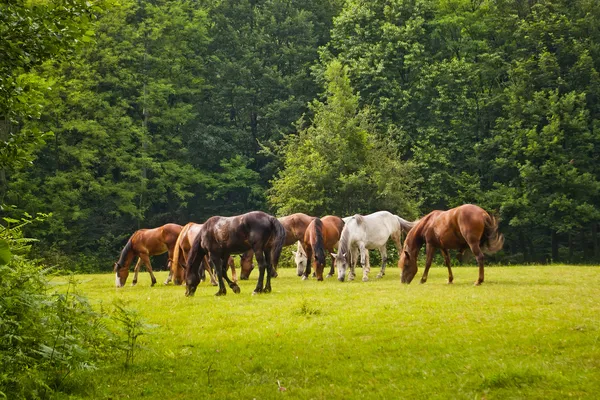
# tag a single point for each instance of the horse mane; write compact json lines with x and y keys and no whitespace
{"x":318,"y":247}
{"x":128,"y":247}
{"x":344,"y":244}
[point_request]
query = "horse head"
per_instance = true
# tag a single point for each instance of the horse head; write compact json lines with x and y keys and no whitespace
{"x":121,"y":274}
{"x":300,"y":260}
{"x":246,"y":265}
{"x":408,"y":264}
{"x":341,"y":264}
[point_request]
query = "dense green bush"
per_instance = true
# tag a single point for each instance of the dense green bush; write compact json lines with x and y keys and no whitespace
{"x":45,"y":334}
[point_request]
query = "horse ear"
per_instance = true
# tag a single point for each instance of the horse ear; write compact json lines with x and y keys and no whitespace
{"x":334,"y":255}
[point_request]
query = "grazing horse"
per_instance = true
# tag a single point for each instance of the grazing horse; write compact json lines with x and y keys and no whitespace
{"x":183,"y":245}
{"x":145,"y":243}
{"x":364,"y":232}
{"x":322,"y":234}
{"x":461,"y":228}
{"x":295,"y":225}
{"x":222,"y":236}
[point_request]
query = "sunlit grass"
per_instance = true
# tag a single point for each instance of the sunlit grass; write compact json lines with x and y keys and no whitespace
{"x":527,"y":332}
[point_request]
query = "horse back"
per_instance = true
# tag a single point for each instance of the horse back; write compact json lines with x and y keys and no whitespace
{"x":460,"y":226}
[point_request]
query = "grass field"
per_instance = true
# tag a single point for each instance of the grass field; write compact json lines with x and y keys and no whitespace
{"x":527,"y":332}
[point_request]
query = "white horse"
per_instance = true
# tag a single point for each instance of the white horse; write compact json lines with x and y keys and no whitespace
{"x":362,"y":233}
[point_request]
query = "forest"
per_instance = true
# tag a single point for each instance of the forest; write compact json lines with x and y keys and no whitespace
{"x":129,"y":114}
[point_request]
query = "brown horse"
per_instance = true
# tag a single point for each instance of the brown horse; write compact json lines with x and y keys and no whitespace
{"x":322,"y":234}
{"x":145,"y":243}
{"x":295,"y":225}
{"x":463,"y":227}
{"x":219,"y":237}
{"x":183,"y":245}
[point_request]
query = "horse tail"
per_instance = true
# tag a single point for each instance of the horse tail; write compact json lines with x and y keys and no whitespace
{"x":491,"y":241}
{"x":195,"y":255}
{"x":318,"y":245}
{"x":278,"y":240}
{"x":175,"y":264}
{"x":404,"y":224}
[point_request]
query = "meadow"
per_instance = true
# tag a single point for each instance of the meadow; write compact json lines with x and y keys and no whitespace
{"x":528,"y":332}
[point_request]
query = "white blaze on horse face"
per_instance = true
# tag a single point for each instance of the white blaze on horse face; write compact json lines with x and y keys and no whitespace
{"x":118,"y":280}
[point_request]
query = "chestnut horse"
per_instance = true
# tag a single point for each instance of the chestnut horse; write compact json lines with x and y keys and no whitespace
{"x":219,"y":237}
{"x":295,"y":225}
{"x":182,"y":248}
{"x":322,"y":234}
{"x":463,"y":227}
{"x":145,"y":243}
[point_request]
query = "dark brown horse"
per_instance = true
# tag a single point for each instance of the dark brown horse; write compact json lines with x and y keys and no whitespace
{"x":182,"y":248}
{"x":220,"y":237}
{"x":461,"y":228}
{"x":322,"y":234}
{"x":295,"y":225}
{"x":143,"y":244}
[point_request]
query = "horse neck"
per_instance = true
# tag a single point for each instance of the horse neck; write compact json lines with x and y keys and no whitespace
{"x":415,"y":238}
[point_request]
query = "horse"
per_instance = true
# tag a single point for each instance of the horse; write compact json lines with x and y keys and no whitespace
{"x":321,"y":234}
{"x":183,"y":245}
{"x":364,"y":232}
{"x":145,"y":243}
{"x":295,"y":225}
{"x":464,"y":227}
{"x":219,"y":237}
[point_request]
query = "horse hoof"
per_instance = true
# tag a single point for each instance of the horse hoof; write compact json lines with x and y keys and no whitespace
{"x":304,"y":277}
{"x":267,"y":290}
{"x":379,"y":275}
{"x":365,"y":279}
{"x":422,"y":281}
{"x":220,"y":293}
{"x":477,"y":283}
{"x":351,"y":278}
{"x":449,"y":282}
{"x":329,"y":276}
{"x":235,"y":288}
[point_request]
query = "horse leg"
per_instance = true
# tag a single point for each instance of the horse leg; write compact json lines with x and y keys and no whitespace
{"x":479,"y":256}
{"x":332,"y":270}
{"x":232,"y":284}
{"x":262,"y":266}
{"x":170,"y":267}
{"x":136,"y":270}
{"x":429,"y":251}
{"x":269,"y":271}
{"x":218,"y":263}
{"x":231,"y":264}
{"x":364,"y":260}
{"x":146,"y":260}
{"x":383,"y":251}
{"x":447,"y":262}
{"x":208,"y":268}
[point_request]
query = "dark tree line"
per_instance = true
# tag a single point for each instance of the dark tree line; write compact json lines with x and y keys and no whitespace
{"x":174,"y":111}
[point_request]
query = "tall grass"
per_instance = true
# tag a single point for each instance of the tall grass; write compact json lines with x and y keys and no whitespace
{"x":527,"y":332}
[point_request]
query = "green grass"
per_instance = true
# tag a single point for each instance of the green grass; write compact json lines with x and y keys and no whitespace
{"x":526,"y":333}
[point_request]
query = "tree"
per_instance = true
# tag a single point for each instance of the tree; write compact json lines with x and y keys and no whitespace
{"x":335,"y":165}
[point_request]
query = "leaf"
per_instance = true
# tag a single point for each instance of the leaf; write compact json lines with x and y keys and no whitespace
{"x":4,"y":252}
